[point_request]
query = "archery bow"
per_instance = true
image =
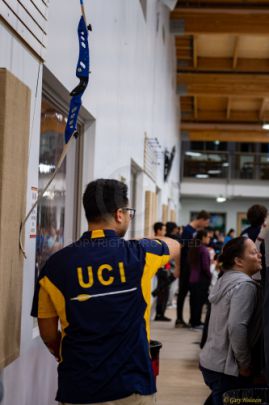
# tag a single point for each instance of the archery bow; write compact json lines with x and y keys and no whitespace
{"x":82,"y":73}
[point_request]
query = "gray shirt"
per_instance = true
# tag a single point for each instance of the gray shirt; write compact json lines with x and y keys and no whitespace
{"x":234,"y":300}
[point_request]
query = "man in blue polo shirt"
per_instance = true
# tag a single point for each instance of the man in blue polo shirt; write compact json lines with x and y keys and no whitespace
{"x":99,"y":288}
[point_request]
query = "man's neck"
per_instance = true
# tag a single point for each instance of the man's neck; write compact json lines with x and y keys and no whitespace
{"x":101,"y":225}
{"x":194,"y":224}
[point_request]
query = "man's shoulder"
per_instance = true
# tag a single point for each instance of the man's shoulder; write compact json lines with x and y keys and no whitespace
{"x":188,"y":232}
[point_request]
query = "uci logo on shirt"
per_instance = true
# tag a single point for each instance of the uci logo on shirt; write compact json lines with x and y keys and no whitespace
{"x":105,"y":275}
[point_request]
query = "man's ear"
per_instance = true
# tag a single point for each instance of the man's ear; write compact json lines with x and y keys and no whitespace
{"x":238,"y":261}
{"x":118,"y":216}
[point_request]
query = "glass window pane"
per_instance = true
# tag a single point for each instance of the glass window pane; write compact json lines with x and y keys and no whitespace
{"x":264,"y":167}
{"x":51,"y":210}
{"x":245,"y":166}
{"x":247,"y":147}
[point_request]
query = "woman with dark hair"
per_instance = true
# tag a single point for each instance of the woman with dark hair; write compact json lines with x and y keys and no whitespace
{"x":200,"y":276}
{"x":230,"y":235}
{"x":235,"y":320}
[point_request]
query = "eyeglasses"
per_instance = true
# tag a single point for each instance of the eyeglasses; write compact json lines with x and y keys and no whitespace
{"x":131,"y":212}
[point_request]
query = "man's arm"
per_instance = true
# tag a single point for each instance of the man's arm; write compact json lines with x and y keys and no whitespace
{"x":174,"y":251}
{"x":50,"y":335}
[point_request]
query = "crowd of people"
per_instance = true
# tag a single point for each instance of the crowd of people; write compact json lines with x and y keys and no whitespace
{"x":226,"y":275}
{"x":92,"y":301}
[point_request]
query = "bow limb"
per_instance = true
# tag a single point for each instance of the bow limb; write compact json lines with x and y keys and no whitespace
{"x":82,"y":72}
{"x":83,"y":10}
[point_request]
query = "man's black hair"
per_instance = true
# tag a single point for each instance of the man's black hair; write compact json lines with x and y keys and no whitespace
{"x":203,"y":215}
{"x":170,"y":226}
{"x":256,"y":215}
{"x":103,"y":197}
{"x":158,"y":226}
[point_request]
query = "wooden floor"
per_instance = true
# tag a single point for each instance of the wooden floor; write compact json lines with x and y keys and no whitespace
{"x":180,"y":381}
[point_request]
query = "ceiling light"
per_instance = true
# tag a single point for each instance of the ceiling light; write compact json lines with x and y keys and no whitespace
{"x":221,"y":199}
{"x":202,"y":176}
{"x":217,"y":142}
{"x":225,"y":164}
{"x":194,"y":154}
{"x":265,"y":126}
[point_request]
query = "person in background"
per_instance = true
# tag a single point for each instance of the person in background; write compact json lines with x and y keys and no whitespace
{"x":189,"y":231}
{"x":230,"y":235}
{"x":200,"y":277}
{"x":264,"y":239}
{"x":162,"y":290}
{"x":99,"y":289}
{"x":235,"y":323}
{"x":165,"y":278}
{"x":172,"y":230}
{"x":217,"y":241}
{"x":256,"y":216}
{"x":210,"y":231}
{"x":179,"y":230}
{"x":159,"y":229}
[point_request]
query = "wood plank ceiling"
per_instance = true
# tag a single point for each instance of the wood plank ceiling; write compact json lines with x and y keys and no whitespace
{"x":222,"y":52}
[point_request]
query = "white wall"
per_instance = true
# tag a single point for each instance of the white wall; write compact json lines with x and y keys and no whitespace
{"x":131,"y":92}
{"x":132,"y":85}
{"x":22,"y":378}
{"x":230,"y":207}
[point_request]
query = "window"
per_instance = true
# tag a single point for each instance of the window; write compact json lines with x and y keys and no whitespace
{"x":55,"y":212}
{"x":216,"y":146}
{"x":265,"y":148}
{"x":247,"y":147}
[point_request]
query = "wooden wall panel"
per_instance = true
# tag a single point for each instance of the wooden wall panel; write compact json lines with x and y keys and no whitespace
{"x":173,"y":216}
{"x":28,"y":18}
{"x":165,"y":211}
{"x":150,"y":212}
{"x":14,"y":137}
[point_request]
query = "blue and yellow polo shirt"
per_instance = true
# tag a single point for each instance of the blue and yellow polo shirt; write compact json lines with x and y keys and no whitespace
{"x":100,"y":288}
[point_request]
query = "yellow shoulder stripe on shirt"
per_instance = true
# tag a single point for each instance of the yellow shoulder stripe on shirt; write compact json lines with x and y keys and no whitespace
{"x":58,"y":300}
{"x":157,"y":241}
{"x":152,"y":264}
{"x":46,"y":309}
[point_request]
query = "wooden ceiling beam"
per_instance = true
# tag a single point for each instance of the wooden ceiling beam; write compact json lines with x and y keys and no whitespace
{"x":235,"y":51}
{"x":213,"y":84}
{"x":221,"y":116}
{"x":228,"y":136}
{"x":242,"y":4}
{"x":264,"y":103}
{"x":228,"y":112}
{"x":195,"y":107}
{"x":192,"y":22}
{"x":194,"y":52}
{"x":210,"y":126}
{"x":243,"y":65}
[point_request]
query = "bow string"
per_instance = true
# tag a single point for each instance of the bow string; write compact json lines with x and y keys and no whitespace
{"x":71,"y":132}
